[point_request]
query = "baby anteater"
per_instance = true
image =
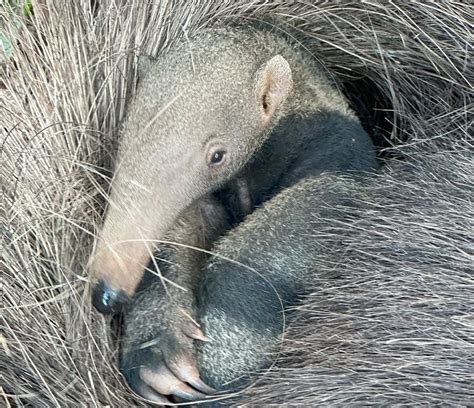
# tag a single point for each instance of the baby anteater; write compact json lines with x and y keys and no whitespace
{"x":218,"y":126}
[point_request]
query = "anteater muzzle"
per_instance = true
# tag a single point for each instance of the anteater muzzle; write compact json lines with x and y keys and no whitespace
{"x":137,"y":219}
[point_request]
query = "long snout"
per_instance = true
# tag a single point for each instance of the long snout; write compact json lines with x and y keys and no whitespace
{"x":145,"y":202}
{"x":125,"y":246}
{"x":135,"y":222}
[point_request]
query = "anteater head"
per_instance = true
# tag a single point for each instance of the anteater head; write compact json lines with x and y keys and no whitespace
{"x":197,"y":118}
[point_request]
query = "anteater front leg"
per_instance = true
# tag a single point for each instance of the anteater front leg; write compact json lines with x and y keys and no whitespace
{"x":159,"y":330}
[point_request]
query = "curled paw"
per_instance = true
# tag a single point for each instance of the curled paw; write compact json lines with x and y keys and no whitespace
{"x":165,"y":366}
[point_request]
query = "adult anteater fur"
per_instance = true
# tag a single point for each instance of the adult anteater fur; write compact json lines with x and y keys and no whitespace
{"x":390,"y":318}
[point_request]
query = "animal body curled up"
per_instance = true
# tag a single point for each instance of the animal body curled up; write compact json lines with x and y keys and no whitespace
{"x":236,"y":145}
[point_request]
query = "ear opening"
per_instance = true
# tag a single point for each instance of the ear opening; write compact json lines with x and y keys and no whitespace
{"x":273,"y":84}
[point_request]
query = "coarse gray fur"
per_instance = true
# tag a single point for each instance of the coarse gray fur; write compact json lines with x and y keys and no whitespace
{"x":389,"y":295}
{"x":393,"y":327}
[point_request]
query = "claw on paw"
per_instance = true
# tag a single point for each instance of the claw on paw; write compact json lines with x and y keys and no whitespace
{"x":194,"y":332}
{"x":166,"y":383}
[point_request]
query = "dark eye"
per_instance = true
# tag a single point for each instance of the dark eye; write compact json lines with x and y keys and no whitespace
{"x":217,"y":157}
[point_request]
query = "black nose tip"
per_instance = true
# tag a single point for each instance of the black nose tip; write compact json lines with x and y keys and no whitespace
{"x":107,"y":300}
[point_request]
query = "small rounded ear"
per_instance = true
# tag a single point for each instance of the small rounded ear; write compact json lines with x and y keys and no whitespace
{"x":273,"y":84}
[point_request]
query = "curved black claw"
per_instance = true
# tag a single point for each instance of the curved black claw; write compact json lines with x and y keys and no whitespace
{"x":107,"y":300}
{"x":165,"y":369}
{"x":201,"y":386}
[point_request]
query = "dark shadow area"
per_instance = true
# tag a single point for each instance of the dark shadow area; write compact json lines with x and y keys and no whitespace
{"x":374,"y":112}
